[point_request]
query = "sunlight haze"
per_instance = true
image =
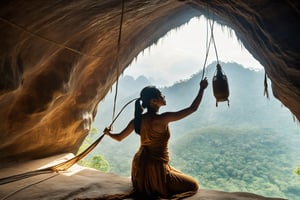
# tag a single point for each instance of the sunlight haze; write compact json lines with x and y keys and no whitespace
{"x":181,"y":53}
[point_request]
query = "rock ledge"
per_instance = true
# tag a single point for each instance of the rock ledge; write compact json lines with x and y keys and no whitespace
{"x":82,"y":182}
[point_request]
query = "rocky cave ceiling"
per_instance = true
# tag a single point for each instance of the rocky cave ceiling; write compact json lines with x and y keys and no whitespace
{"x":58,"y":59}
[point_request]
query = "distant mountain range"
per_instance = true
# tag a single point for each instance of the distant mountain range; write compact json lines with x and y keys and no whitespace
{"x":248,"y":105}
{"x":212,"y":135}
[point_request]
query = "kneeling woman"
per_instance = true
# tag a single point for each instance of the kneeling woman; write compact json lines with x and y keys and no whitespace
{"x":152,"y":176}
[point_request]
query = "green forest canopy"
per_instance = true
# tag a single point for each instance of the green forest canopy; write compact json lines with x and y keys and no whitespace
{"x":252,"y":146}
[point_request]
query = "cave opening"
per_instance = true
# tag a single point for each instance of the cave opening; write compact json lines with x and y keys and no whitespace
{"x":235,"y":145}
{"x":58,"y":116}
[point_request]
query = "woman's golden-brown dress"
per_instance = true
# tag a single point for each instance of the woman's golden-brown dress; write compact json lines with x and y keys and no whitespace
{"x":152,"y":176}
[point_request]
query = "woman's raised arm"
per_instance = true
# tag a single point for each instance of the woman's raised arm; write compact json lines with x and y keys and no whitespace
{"x":174,"y":116}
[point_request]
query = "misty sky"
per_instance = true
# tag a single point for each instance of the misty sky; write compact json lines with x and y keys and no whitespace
{"x":181,"y":53}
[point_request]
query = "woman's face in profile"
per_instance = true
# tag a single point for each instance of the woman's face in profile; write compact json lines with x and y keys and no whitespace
{"x":162,"y":98}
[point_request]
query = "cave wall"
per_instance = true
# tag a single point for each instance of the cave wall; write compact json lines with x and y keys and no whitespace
{"x":58,"y":59}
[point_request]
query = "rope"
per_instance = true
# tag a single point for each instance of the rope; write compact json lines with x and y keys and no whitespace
{"x":117,"y":62}
{"x":207,"y":24}
{"x":207,"y":50}
{"x":47,"y":39}
{"x":210,"y":40}
{"x":113,"y":121}
{"x":56,"y":168}
{"x":27,"y":186}
{"x":213,"y":39}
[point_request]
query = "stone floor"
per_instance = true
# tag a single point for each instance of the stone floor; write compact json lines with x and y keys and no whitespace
{"x":81,"y":182}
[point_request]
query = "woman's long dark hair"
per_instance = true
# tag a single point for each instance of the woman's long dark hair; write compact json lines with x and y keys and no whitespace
{"x":147,"y":93}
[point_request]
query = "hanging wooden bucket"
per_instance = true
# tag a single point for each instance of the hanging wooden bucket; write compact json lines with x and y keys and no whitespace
{"x":220,"y":86}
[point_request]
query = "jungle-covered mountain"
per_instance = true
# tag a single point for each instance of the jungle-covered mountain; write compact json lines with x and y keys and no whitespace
{"x":251,"y":145}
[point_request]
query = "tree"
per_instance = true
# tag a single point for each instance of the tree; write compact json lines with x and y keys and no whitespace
{"x":95,"y":161}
